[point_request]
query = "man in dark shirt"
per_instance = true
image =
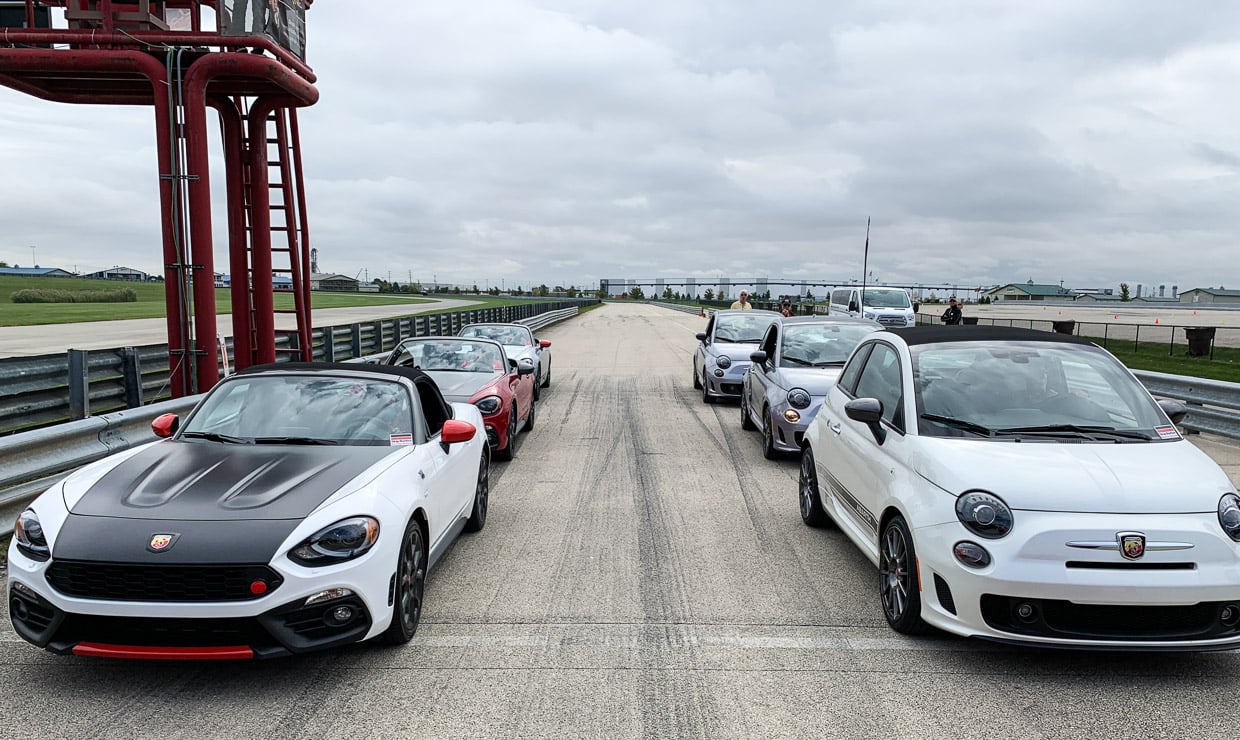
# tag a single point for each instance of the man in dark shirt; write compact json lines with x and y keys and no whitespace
{"x":953,"y":314}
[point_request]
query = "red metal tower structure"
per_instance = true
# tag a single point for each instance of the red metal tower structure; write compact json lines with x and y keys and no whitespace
{"x":247,"y":64}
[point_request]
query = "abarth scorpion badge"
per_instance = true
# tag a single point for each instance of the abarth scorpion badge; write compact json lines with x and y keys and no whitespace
{"x":1131,"y":544}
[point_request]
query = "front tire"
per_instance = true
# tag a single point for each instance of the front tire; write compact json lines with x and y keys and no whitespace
{"x":529,"y":419}
{"x":746,"y":421}
{"x":410,"y":586}
{"x":897,"y":579}
{"x":768,"y":436}
{"x":547,"y":381}
{"x":697,"y":384}
{"x":812,"y":512}
{"x":509,"y":451}
{"x":482,"y":494}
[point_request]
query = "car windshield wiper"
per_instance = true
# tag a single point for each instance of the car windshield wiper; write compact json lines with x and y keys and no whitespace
{"x":830,"y":363}
{"x":798,"y":361}
{"x":1089,"y":431}
{"x":293,"y":441}
{"x":967,"y":426}
{"x":217,"y":437}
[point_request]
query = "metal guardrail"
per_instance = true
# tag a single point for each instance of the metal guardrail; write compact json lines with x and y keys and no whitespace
{"x":51,"y":389}
{"x":1213,"y":405}
{"x":534,"y":323}
{"x":37,"y":459}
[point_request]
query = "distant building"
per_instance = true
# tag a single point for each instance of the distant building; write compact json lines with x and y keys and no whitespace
{"x":278,"y":282}
{"x":1029,"y":291}
{"x":120,"y":273}
{"x":35,"y":272}
{"x":1153,"y":299}
{"x":327,"y":281}
{"x":1210,"y":295}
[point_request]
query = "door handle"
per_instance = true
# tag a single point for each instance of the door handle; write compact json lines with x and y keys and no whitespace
{"x":834,"y":426}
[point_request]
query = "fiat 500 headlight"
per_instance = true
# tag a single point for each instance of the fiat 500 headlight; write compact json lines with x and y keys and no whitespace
{"x":723,"y":361}
{"x":1229,"y":515}
{"x":489,"y":404}
{"x":984,"y":514}
{"x":29,"y":535}
{"x":798,"y":398}
{"x":344,"y":540}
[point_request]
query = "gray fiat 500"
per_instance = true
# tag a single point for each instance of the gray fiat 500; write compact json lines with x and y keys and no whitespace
{"x":796,"y":363}
{"x":722,"y":354}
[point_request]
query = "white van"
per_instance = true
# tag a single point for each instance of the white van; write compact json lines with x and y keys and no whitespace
{"x":887,"y":306}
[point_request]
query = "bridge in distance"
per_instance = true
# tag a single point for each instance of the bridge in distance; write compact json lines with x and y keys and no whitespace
{"x":644,"y":573}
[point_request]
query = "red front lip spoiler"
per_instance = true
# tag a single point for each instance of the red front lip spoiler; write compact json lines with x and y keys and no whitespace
{"x":142,"y":652}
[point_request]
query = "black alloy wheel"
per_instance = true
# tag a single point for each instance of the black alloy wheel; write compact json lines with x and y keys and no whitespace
{"x":768,"y":436}
{"x":897,"y":579}
{"x":482,"y":494}
{"x":509,"y":450}
{"x":746,"y":422}
{"x":697,"y":384}
{"x":537,"y":382}
{"x":547,"y":381}
{"x":812,"y":512}
{"x":706,"y":397}
{"x":410,"y":584}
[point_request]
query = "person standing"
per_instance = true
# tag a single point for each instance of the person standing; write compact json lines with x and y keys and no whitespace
{"x":742,"y":302}
{"x":953,"y":314}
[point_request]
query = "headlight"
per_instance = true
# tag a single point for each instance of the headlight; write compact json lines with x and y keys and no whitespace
{"x":1229,"y":515}
{"x":870,"y":315}
{"x":29,"y":535}
{"x":344,"y":540}
{"x":984,"y":515}
{"x":489,"y":405}
{"x":723,"y":361}
{"x":798,"y":398}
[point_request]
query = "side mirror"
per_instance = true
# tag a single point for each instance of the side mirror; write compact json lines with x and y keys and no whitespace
{"x":1175,"y":410}
{"x":166,"y":425}
{"x":544,"y":343}
{"x":455,"y":430}
{"x":757,"y":357}
{"x":701,"y":336}
{"x":868,"y":411}
{"x":525,"y":368}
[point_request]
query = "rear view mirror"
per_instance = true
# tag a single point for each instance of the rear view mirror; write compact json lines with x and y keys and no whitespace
{"x":544,"y":343}
{"x":701,"y":336}
{"x":1175,"y":410}
{"x":868,"y":411}
{"x":758,"y":357}
{"x":455,"y":430}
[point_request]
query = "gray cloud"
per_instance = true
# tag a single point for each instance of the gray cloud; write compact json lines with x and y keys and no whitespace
{"x":570,"y":140}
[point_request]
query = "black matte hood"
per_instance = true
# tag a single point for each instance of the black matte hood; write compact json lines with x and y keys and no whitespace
{"x":211,"y":481}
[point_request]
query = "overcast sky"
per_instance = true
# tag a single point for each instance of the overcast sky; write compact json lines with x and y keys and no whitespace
{"x":565,"y":141}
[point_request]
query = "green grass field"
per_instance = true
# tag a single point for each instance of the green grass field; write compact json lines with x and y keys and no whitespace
{"x":1155,"y":357}
{"x":150,"y":303}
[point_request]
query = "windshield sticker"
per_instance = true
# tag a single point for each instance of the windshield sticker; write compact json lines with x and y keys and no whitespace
{"x":402,"y":440}
{"x":1167,"y":432}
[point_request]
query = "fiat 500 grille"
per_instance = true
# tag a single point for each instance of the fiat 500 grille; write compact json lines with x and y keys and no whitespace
{"x":128,"y":582}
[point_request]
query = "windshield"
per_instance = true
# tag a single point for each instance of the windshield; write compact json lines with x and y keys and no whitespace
{"x":451,"y":355}
{"x":304,"y":409}
{"x":741,"y":327}
{"x":1007,"y":386}
{"x":517,"y":336}
{"x":820,"y":345}
{"x":886,"y":298}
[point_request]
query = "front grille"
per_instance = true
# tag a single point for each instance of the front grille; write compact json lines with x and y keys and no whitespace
{"x":1064,"y":619}
{"x":1090,"y":565}
{"x":162,"y":632}
{"x":492,"y":436}
{"x":731,"y":389}
{"x":130,"y":582}
{"x":891,"y":320}
{"x":944,"y":592}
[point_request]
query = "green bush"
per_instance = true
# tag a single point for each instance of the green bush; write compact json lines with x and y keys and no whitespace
{"x":47,"y":295}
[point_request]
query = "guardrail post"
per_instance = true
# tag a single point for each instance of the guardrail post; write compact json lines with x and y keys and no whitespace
{"x":329,"y":344}
{"x":79,"y":384}
{"x":131,"y":374}
{"x":356,"y":330}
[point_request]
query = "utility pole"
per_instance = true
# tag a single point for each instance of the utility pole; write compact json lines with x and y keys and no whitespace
{"x":33,"y":262}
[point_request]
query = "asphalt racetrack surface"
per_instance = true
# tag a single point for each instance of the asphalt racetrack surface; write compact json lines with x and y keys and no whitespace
{"x":644,"y":572}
